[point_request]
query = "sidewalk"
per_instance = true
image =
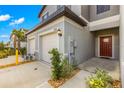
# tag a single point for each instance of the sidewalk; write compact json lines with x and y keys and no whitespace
{"x":9,"y":60}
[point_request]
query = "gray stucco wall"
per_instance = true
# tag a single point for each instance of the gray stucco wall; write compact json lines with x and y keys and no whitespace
{"x":76,"y":9}
{"x":84,"y":39}
{"x":52,"y":8}
{"x":115,"y":33}
{"x":85,"y":11}
{"x":114,"y":10}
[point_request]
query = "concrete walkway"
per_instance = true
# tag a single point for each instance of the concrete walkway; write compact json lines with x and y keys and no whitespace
{"x":78,"y":81}
{"x":109,"y":65}
{"x":89,"y":67}
{"x":9,"y":60}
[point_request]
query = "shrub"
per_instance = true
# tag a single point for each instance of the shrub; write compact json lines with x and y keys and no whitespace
{"x":101,"y":79}
{"x":23,"y":51}
{"x":56,"y":66}
{"x":6,"y":52}
{"x":11,"y":51}
{"x":66,"y":68}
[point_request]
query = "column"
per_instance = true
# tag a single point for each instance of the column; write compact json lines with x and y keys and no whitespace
{"x":121,"y":34}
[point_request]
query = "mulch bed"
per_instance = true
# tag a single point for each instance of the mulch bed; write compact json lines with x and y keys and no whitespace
{"x":116,"y":84}
{"x":61,"y":81}
{"x":13,"y":64}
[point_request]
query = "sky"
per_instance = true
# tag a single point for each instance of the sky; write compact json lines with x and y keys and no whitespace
{"x":16,"y":17}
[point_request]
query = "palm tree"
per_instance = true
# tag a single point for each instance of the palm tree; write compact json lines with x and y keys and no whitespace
{"x":20,"y":35}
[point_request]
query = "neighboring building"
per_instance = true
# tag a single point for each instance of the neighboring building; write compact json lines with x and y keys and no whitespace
{"x":14,"y":40}
{"x":7,"y":45}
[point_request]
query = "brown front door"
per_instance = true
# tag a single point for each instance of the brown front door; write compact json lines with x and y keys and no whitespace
{"x":106,"y":46}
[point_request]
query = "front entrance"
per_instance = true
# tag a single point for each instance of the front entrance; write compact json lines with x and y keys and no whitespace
{"x":106,"y":46}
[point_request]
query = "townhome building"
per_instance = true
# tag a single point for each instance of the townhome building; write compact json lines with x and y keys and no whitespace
{"x":79,"y":32}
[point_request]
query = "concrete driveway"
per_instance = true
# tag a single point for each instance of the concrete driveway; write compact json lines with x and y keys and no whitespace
{"x":35,"y":74}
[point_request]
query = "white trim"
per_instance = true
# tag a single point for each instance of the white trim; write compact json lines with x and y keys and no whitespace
{"x":105,"y":23}
{"x":31,"y":37}
{"x":84,"y":19}
{"x":44,"y":14}
{"x":113,"y":53}
{"x":47,"y":32}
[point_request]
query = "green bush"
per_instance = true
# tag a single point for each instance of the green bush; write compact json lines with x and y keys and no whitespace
{"x":11,"y":51}
{"x":7,"y":52}
{"x":3,"y":54}
{"x":23,"y":51}
{"x":66,"y":68}
{"x":101,"y":79}
{"x":56,"y":67}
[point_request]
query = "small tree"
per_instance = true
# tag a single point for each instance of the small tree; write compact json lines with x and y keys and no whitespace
{"x":2,"y":46}
{"x":56,"y":66}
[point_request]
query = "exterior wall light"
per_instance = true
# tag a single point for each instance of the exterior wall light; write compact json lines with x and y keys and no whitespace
{"x":59,"y":32}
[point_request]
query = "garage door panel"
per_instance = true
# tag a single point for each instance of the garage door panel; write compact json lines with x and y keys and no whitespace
{"x":47,"y":43}
{"x":32,"y":46}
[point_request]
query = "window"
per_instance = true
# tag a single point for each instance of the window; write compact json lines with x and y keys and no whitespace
{"x":45,"y":16}
{"x":59,"y":6}
{"x":102,"y":8}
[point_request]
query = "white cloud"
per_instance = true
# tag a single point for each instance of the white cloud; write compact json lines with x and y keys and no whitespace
{"x":18,"y":21}
{"x":4,"y":36}
{"x":5,"y":17}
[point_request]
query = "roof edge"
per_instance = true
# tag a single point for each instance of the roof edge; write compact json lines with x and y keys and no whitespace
{"x":44,"y":6}
{"x":62,"y":12}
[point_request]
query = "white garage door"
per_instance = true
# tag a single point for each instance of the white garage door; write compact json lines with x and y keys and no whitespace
{"x":47,"y":43}
{"x":32,"y":46}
